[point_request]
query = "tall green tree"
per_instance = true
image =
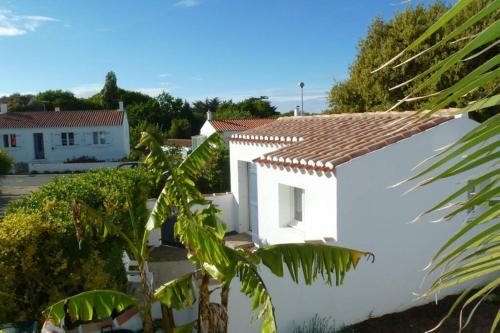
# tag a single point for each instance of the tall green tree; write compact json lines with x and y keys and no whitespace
{"x":180,"y":128}
{"x":253,"y":107}
{"x":110,"y":91}
{"x":472,"y":254}
{"x":363,"y":91}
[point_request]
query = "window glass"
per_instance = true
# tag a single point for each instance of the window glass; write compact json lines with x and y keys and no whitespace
{"x":6,"y":140}
{"x":96,"y":137}
{"x":71,"y":138}
{"x":64,"y":139}
{"x":102,"y":138}
{"x":297,"y":203}
{"x":13,"y":141}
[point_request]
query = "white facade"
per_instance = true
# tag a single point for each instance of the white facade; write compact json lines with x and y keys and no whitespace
{"x":352,"y":208}
{"x":112,"y":143}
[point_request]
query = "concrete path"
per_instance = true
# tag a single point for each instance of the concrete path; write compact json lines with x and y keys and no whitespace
{"x":15,"y":186}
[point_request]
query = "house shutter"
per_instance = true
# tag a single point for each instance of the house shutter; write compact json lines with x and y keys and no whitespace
{"x":79,"y":139}
{"x":19,"y":140}
{"x":56,"y":139}
{"x":109,"y":137}
{"x":89,"y":139}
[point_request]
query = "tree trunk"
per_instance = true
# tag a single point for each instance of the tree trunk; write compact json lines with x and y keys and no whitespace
{"x":203,"y":312}
{"x":146,"y":299}
{"x":224,"y":298}
{"x":168,"y":319}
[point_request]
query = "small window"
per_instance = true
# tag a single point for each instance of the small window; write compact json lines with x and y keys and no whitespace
{"x":99,"y":138}
{"x":298,"y":195}
{"x":67,"y":139}
{"x":9,"y":140}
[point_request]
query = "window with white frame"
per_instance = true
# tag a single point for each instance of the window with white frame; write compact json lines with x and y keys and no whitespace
{"x":291,"y":208}
{"x":9,"y":140}
{"x":67,"y":139}
{"x":99,"y":138}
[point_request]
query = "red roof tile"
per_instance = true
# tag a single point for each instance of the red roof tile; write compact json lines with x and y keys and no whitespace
{"x":239,"y":124}
{"x":323,"y":142}
{"x":61,"y":119}
{"x":180,"y":142}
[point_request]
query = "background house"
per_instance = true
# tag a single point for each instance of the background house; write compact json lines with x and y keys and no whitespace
{"x":227,"y":127}
{"x":328,"y":178}
{"x":56,"y":136}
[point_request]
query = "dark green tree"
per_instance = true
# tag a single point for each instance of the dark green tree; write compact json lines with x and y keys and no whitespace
{"x":363,"y":91}
{"x":110,"y":91}
{"x":180,"y":129}
{"x":253,"y":107}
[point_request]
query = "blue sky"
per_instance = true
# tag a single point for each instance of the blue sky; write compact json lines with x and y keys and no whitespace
{"x":191,"y":48}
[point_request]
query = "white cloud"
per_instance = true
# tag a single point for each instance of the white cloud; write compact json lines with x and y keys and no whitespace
{"x":17,"y":25}
{"x":196,"y":78}
{"x":187,"y":3}
{"x":163,"y":75}
{"x":87,"y":89}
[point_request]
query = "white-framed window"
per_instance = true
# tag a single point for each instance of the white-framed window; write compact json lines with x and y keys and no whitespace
{"x":9,"y":140}
{"x":99,"y":137}
{"x":67,"y":139}
{"x":298,"y":205}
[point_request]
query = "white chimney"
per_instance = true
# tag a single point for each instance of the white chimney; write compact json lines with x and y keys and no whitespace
{"x":120,"y":106}
{"x":296,"y":111}
{"x":3,"y":108}
{"x":209,"y":115}
{"x":57,"y":109}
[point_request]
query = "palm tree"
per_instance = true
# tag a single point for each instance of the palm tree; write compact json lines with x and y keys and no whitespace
{"x":473,"y":253}
{"x":201,"y":232}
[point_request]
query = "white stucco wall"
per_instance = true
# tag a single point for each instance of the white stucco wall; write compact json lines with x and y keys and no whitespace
{"x":207,"y":129}
{"x":240,"y":154}
{"x":369,"y":216}
{"x":117,"y":148}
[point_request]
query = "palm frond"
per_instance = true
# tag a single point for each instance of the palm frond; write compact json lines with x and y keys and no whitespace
{"x":89,"y":305}
{"x":195,"y":163}
{"x":178,"y":293}
{"x":312,"y":259}
{"x":254,"y":287}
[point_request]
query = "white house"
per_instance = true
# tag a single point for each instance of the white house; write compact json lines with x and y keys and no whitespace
{"x":227,"y":127}
{"x":56,"y":136}
{"x":328,"y":178}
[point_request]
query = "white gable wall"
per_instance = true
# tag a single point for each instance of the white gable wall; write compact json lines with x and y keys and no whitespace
{"x":207,"y":129}
{"x":117,"y":145}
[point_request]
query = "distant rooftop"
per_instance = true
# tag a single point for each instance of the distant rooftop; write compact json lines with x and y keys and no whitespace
{"x":228,"y":125}
{"x":42,"y":119}
{"x":179,"y":142}
{"x":323,"y":142}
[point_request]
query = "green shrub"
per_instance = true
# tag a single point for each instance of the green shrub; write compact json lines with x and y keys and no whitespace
{"x":57,"y":262}
{"x":38,"y":266}
{"x":6,"y":162}
{"x":319,"y":325}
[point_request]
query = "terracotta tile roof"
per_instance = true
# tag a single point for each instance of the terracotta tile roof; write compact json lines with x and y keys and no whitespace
{"x":179,"y":142}
{"x":61,"y":119}
{"x":323,"y":142}
{"x":239,"y":124}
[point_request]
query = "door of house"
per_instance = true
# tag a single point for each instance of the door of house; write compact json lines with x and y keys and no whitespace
{"x":253,"y":208}
{"x":38,"y":144}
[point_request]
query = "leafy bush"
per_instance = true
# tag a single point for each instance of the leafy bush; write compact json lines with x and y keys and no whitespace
{"x":216,"y":177}
{"x":83,"y":159}
{"x":319,"y":325}
{"x":40,"y":260}
{"x":6,"y":162}
{"x":39,"y":265}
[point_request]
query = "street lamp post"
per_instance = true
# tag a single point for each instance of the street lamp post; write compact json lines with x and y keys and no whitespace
{"x":301,"y":85}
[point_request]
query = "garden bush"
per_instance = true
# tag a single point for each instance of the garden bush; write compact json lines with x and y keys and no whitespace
{"x":40,"y":258}
{"x":6,"y":162}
